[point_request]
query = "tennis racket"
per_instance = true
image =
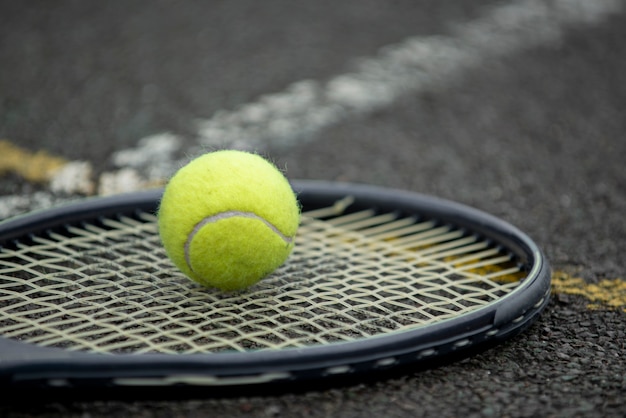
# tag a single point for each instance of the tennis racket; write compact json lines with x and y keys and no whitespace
{"x":379,"y":280}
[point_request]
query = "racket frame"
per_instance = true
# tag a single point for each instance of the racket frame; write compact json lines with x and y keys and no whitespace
{"x":24,"y":365}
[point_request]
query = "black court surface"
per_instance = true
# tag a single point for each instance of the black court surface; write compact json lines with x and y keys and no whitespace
{"x":513,"y":108}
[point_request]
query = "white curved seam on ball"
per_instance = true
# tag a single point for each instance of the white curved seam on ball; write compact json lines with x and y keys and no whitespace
{"x":226,"y":215}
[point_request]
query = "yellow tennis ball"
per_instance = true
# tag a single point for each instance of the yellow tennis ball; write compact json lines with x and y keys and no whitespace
{"x":228,"y":218}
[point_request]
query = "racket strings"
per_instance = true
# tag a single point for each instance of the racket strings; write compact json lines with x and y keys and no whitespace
{"x":108,"y":286}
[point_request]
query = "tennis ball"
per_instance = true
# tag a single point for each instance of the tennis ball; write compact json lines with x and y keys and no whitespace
{"x":228,"y":218}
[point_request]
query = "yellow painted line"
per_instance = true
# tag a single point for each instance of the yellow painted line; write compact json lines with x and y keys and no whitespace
{"x":605,"y":294}
{"x":68,"y":177}
{"x":37,"y":167}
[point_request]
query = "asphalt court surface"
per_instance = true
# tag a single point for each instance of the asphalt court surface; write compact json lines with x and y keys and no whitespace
{"x":517,"y":108}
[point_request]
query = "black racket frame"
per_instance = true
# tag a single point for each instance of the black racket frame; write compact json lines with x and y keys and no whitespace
{"x":24,"y":365}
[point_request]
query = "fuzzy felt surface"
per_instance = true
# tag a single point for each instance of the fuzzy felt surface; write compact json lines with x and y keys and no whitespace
{"x":229,"y":252}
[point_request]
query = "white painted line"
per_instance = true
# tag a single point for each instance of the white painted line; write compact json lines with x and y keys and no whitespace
{"x":15,"y":205}
{"x":153,"y":149}
{"x":151,"y":161}
{"x":74,"y":177}
{"x":307,"y":107}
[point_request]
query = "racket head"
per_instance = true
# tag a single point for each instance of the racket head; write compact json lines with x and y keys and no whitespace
{"x":29,"y":364}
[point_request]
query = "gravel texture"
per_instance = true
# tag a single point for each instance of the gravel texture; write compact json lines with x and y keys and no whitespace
{"x":536,"y":137}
